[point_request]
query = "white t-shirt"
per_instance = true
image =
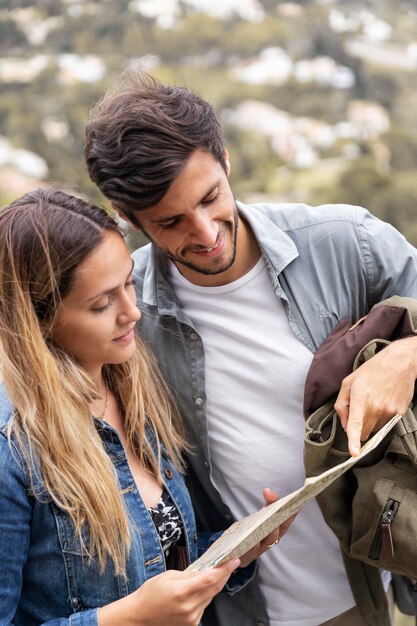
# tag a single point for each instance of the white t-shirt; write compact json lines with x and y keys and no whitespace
{"x":255,"y":374}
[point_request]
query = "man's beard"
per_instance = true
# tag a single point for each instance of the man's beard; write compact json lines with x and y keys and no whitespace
{"x":205,"y":270}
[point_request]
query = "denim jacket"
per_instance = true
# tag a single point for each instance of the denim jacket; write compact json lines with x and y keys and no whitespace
{"x":44,"y":578}
{"x":326,"y":263}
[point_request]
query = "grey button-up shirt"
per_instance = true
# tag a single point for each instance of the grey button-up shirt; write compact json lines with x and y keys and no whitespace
{"x":326,"y":264}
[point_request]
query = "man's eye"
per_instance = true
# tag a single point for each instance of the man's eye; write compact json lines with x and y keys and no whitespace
{"x":168,"y":225}
{"x":210,"y":199}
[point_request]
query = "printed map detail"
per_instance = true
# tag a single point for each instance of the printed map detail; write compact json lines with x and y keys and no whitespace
{"x":247,"y":532}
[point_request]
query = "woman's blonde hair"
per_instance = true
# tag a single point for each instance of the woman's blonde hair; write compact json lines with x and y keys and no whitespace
{"x":44,"y":236}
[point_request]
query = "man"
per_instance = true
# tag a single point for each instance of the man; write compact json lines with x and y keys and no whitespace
{"x":235,"y":299}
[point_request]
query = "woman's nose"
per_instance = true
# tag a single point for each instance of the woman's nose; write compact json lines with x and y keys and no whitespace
{"x":129,"y":312}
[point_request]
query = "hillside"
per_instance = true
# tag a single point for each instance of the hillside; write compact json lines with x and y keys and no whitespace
{"x":317,"y":98}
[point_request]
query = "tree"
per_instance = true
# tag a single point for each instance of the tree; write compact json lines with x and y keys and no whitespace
{"x":11,"y":37}
{"x":402,"y":145}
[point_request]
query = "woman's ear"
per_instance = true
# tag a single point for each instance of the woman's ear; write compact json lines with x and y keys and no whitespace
{"x":124,"y":217}
{"x":227,"y":161}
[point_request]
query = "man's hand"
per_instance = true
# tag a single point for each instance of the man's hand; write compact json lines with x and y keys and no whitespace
{"x":270,"y":540}
{"x":377,"y":390}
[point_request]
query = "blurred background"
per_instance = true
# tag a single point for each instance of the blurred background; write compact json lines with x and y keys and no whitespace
{"x":318,"y":98}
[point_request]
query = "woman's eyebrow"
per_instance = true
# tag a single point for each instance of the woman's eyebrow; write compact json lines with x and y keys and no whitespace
{"x":106,"y":292}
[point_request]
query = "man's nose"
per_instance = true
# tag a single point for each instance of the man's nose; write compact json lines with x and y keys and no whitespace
{"x":203,"y":229}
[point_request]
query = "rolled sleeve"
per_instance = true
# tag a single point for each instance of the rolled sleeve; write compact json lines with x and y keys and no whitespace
{"x":84,"y":618}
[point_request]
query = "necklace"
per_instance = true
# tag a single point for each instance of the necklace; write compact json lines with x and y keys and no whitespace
{"x":106,"y":401}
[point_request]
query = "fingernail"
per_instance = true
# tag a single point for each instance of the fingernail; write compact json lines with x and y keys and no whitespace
{"x":355,"y":450}
{"x":235,"y":563}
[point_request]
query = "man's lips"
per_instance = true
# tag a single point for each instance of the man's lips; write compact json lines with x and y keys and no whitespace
{"x":210,"y":252}
{"x":127,"y":337}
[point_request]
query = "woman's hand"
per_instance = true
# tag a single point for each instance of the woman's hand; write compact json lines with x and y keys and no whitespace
{"x":170,"y":599}
{"x":270,"y":540}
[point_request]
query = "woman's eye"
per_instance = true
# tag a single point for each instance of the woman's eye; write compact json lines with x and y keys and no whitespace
{"x":101,"y":309}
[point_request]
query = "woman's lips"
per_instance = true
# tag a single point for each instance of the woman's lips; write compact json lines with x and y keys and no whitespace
{"x":127,"y":337}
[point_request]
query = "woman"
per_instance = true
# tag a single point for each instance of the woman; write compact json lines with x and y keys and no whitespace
{"x":93,"y":507}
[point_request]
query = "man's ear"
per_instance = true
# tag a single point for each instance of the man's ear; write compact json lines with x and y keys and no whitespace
{"x":227,"y":161}
{"x":124,"y":217}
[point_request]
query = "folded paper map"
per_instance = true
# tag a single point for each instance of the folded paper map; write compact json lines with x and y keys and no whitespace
{"x":247,"y":532}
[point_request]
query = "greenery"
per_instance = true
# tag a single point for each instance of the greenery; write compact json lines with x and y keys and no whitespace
{"x":201,"y":51}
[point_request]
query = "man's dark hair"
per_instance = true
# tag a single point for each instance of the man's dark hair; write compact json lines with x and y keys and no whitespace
{"x":140,"y":136}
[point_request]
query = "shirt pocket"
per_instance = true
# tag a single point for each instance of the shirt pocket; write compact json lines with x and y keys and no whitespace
{"x":88,"y":586}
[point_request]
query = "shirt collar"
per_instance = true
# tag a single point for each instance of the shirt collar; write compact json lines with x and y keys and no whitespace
{"x":275,"y":244}
{"x":277,"y":247}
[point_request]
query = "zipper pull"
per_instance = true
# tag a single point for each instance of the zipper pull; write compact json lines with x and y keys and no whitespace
{"x":387,"y":546}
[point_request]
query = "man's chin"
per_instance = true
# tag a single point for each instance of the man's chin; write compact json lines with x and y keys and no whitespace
{"x":208,"y":269}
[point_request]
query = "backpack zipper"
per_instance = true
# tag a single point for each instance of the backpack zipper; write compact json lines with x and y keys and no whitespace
{"x":382,"y":545}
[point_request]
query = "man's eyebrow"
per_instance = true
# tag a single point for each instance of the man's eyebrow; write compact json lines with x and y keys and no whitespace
{"x":164,"y":220}
{"x":108,"y":291}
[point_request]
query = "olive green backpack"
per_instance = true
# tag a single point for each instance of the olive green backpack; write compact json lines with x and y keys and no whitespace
{"x":372,"y":508}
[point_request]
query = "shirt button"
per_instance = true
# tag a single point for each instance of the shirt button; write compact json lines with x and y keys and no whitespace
{"x":168,"y":473}
{"x":194,"y":336}
{"x":199,"y":401}
{"x":195,"y":537}
{"x":206,"y":463}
